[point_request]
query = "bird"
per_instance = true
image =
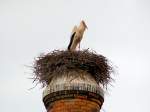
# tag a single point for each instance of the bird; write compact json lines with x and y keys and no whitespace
{"x":77,"y":35}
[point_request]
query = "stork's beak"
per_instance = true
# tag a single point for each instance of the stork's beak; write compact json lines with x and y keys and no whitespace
{"x":84,"y":24}
{"x":86,"y":27}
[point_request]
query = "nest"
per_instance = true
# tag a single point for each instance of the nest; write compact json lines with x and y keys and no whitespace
{"x":57,"y":62}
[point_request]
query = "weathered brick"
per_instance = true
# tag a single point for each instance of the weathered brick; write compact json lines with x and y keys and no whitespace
{"x":74,"y":105}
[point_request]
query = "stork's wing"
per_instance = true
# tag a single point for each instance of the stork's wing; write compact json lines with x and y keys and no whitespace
{"x":72,"y":36}
{"x":71,"y":40}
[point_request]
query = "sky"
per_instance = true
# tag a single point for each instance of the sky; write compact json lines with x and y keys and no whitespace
{"x":117,"y":29}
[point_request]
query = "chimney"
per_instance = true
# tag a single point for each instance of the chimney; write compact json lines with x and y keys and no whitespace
{"x":74,"y":80}
{"x":69,"y":92}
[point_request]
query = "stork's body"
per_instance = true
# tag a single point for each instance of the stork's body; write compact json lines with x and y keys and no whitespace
{"x":77,"y":36}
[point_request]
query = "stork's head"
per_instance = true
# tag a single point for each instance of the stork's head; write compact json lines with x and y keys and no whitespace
{"x":83,"y":23}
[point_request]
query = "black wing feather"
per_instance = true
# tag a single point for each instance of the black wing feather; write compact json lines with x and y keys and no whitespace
{"x":71,"y":40}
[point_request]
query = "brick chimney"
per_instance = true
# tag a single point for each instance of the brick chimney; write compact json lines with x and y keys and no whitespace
{"x":72,"y":80}
{"x":75,"y":91}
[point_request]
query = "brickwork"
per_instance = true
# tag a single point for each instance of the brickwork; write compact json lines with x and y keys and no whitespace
{"x":73,"y":86}
{"x":74,"y":105}
{"x":71,"y":93}
{"x":52,"y":98}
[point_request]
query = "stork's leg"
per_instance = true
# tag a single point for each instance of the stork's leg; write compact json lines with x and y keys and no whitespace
{"x":79,"y":45}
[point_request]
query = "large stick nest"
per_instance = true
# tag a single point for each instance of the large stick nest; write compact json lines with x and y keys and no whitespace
{"x":57,"y":62}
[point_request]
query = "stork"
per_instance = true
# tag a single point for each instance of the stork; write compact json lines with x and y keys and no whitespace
{"x":77,"y":35}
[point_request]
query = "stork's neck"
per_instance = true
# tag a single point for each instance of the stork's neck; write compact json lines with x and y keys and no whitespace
{"x":81,"y":28}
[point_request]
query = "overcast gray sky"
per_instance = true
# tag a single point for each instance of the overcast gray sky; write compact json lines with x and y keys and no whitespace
{"x":118,"y":29}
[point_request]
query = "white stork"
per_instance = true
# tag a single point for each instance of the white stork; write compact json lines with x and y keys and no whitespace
{"x":77,"y":36}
